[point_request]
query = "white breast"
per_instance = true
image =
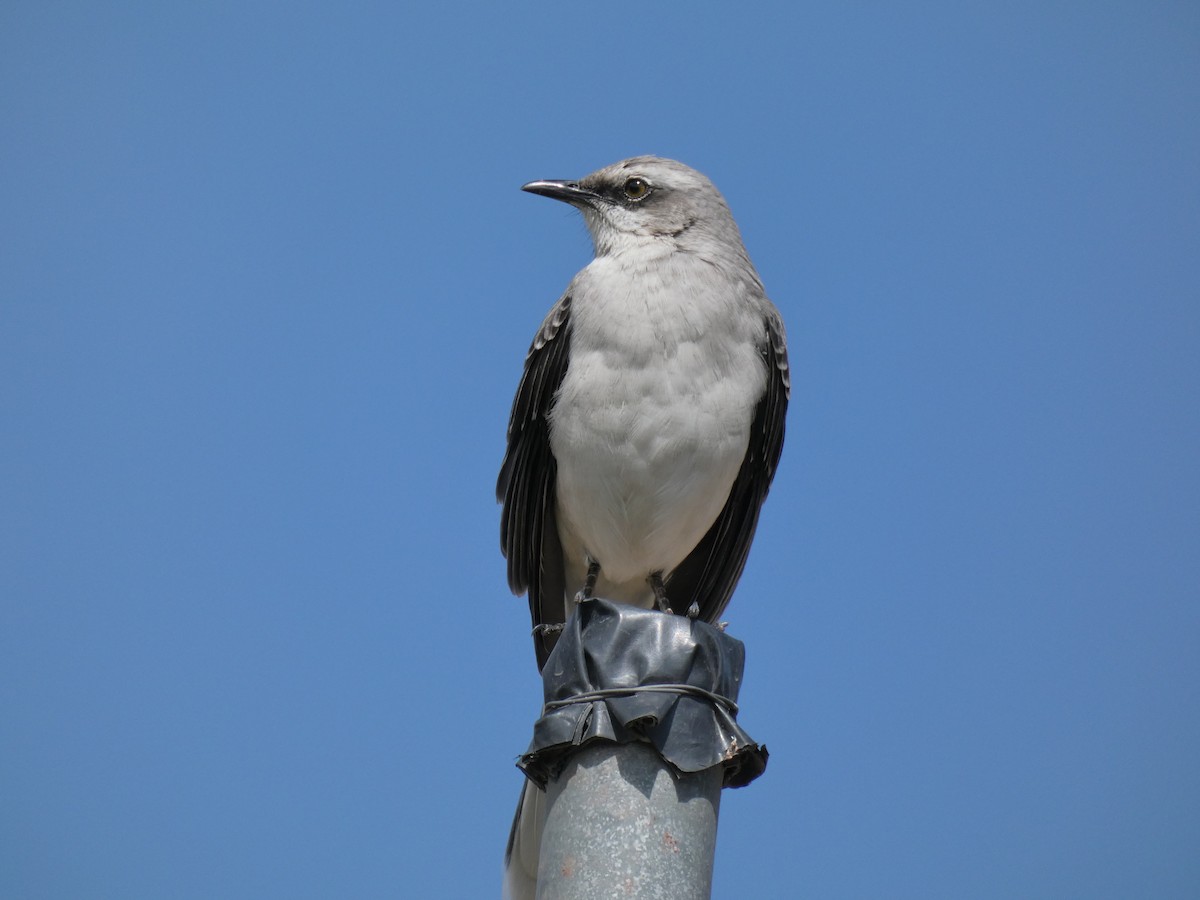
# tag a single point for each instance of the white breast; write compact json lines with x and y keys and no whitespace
{"x":653,"y":416}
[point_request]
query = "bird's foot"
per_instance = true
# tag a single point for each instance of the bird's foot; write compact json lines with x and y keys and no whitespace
{"x":589,"y":584}
{"x":660,"y":592}
{"x":546,"y":630}
{"x":721,"y":626}
{"x":693,"y":610}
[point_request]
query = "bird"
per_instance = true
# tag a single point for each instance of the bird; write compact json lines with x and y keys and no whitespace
{"x":649,"y":418}
{"x":648,"y":422}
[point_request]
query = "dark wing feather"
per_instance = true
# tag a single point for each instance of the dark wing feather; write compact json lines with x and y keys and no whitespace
{"x":710,"y":572}
{"x":528,"y":528}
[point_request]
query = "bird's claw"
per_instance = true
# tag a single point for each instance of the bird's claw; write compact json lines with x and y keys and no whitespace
{"x":589,"y":584}
{"x":545,"y":630}
{"x":660,"y":593}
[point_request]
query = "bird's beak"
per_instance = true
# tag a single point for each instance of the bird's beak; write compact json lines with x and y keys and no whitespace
{"x":568,"y":191}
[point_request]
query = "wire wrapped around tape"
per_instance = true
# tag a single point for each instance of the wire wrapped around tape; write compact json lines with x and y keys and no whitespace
{"x":623,"y":674}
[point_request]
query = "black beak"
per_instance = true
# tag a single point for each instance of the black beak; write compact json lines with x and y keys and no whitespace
{"x":568,"y":191}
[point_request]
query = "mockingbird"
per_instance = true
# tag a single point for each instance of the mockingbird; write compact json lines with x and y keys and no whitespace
{"x":649,"y":419}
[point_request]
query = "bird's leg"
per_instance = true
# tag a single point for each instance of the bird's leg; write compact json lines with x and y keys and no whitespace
{"x":660,"y":592}
{"x":589,"y":584}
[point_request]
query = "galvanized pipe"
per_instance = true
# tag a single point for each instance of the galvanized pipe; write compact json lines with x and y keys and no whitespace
{"x":623,"y":822}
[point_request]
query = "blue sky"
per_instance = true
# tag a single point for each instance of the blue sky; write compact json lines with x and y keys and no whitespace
{"x":266,"y":282}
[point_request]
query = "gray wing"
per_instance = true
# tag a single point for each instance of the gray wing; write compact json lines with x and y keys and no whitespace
{"x":710,"y":573}
{"x":528,"y":528}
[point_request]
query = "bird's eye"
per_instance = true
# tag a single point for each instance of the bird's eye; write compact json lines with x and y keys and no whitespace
{"x":637,"y":188}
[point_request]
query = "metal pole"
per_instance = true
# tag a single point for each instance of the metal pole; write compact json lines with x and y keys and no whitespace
{"x":622,"y":822}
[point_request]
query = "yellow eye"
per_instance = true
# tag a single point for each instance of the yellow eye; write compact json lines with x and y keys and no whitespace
{"x":637,"y":188}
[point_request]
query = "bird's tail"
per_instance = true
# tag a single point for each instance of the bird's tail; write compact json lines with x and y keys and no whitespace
{"x":524,"y":844}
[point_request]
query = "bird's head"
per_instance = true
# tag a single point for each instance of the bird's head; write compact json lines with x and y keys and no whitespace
{"x":643,"y":201}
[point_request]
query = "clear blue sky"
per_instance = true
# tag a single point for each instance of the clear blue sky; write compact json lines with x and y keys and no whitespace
{"x":266,"y":282}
